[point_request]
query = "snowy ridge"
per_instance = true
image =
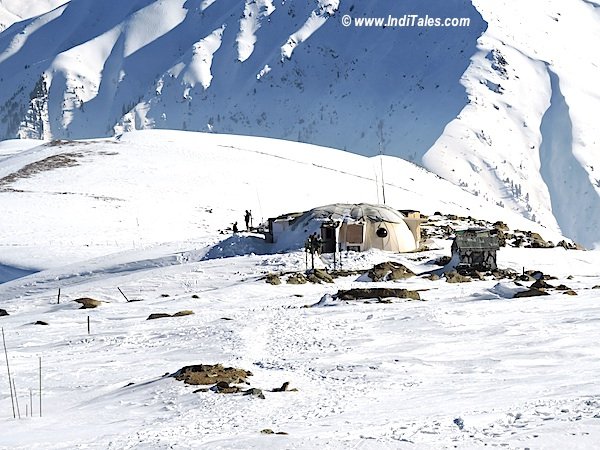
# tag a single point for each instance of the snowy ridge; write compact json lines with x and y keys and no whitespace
{"x":198,"y":69}
{"x":12,"y":11}
{"x":496,"y":145}
{"x":467,"y":103}
{"x":254,"y":13}
{"x":150,"y":187}
{"x":316,"y":20}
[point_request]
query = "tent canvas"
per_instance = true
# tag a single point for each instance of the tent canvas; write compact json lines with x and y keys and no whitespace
{"x":356,"y":227}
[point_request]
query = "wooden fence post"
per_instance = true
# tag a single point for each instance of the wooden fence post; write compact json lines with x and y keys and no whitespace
{"x":40,"y":386}
{"x":16,"y":398}
{"x":12,"y":400}
{"x":123,"y":294}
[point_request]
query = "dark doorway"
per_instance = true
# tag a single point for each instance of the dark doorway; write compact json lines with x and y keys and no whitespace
{"x":328,"y":237}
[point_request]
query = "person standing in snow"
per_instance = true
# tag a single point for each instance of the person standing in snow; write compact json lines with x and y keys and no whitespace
{"x":313,"y":245}
{"x":317,"y":243}
{"x":234,"y":227}
{"x":247,"y":218}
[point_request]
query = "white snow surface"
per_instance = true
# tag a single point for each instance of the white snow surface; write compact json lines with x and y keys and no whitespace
{"x":468,"y":367}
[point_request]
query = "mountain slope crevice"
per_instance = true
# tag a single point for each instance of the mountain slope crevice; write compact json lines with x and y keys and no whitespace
{"x":571,"y":191}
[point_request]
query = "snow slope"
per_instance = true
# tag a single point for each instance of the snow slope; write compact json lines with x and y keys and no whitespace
{"x":150,"y":187}
{"x":12,"y":11}
{"x":514,"y":132}
{"x":468,"y":103}
{"x":468,"y":367}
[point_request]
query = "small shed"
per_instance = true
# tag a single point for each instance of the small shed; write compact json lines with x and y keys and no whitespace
{"x":278,"y":226}
{"x":475,"y":248}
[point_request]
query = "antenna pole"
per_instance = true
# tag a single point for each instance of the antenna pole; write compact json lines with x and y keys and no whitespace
{"x":381,"y":165}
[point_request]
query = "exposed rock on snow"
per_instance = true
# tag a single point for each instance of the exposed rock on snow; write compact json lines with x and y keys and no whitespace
{"x":284,"y":387}
{"x":255,"y":392}
{"x":376,"y":293}
{"x":273,"y":279}
{"x":270,"y":431}
{"x":455,"y":277}
{"x":326,"y":300}
{"x":223,"y":387}
{"x":154,"y":316}
{"x":296,"y":278}
{"x":507,"y":290}
{"x":186,"y":312}
{"x":87,"y":303}
{"x":211,"y":374}
{"x":390,"y":271}
{"x":47,"y":164}
{"x":541,"y":284}
{"x":532,"y":292}
{"x":318,"y":276}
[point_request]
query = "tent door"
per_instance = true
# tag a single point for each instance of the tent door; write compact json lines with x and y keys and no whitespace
{"x":328,"y":237}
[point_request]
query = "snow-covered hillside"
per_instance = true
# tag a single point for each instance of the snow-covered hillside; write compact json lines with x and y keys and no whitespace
{"x":12,"y":11}
{"x":138,"y":223}
{"x":479,"y":105}
{"x":91,"y":198}
{"x":527,"y":137}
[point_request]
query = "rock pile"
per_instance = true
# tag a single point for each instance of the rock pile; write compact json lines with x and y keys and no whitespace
{"x":185,"y":312}
{"x":206,"y":374}
{"x":376,"y":293}
{"x":87,"y":303}
{"x":389,"y":271}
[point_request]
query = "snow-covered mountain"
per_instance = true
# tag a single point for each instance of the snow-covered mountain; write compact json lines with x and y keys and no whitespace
{"x":503,"y":107}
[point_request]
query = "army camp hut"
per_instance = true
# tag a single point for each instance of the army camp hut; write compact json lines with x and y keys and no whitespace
{"x":475,"y":248}
{"x":351,"y":227}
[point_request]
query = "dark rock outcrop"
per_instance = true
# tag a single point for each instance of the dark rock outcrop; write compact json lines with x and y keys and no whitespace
{"x":273,"y":279}
{"x":390,"y":271}
{"x":205,"y":374}
{"x":87,"y":303}
{"x":530,"y":293}
{"x":376,"y":293}
{"x":455,"y":277}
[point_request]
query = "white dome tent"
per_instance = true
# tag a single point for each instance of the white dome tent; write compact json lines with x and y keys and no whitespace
{"x":354,"y":227}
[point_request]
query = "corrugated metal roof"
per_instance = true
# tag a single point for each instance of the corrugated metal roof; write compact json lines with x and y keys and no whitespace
{"x":476,"y":239}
